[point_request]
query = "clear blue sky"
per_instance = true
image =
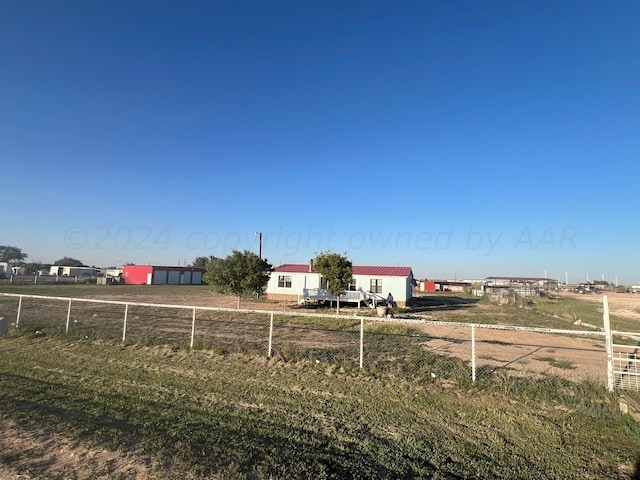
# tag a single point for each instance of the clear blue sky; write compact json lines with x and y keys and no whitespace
{"x":463,"y":139}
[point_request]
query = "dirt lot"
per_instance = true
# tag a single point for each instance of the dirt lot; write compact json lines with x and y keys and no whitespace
{"x":620,"y":304}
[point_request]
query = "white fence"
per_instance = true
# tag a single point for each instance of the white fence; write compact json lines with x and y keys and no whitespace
{"x":346,"y":340}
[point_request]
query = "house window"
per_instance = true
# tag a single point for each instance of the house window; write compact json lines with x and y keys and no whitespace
{"x":284,"y":281}
{"x":324,"y":283}
{"x":352,"y":285}
{"x":376,"y":285}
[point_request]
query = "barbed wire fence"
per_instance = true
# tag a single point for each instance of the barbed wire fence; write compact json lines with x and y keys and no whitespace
{"x":429,"y":350}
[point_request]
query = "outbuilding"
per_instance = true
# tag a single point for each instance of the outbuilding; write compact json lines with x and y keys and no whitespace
{"x":161,"y":275}
{"x":5,"y":269}
{"x":452,"y":286}
{"x":498,"y":287}
{"x":69,"y":271}
{"x":302,"y":282}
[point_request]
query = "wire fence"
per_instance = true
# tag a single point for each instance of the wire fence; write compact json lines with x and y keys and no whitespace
{"x":427,"y":349}
{"x":30,"y":279}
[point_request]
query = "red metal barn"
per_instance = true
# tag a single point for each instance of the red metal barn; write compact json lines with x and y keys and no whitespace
{"x":157,"y":275}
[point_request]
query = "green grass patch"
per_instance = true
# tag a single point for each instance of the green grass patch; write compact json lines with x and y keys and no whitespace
{"x":564,"y":364}
{"x":246,"y":416}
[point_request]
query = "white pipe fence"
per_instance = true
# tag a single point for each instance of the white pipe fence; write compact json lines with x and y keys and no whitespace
{"x":618,"y":364}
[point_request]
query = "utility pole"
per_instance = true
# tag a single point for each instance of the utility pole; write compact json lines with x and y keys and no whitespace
{"x":260,"y":243}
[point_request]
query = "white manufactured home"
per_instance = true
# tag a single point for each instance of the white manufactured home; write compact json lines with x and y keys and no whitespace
{"x":370,"y":284}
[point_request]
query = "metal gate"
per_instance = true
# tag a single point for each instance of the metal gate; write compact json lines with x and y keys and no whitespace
{"x":623,"y":365}
{"x":626,"y":367}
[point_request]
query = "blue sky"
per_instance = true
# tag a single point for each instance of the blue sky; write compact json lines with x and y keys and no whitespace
{"x":463,"y":139}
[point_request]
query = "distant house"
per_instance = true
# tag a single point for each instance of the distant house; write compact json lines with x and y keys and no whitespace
{"x":161,"y":275}
{"x":302,"y":283}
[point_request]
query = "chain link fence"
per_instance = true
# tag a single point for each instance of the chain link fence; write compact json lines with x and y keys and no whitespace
{"x":429,"y":350}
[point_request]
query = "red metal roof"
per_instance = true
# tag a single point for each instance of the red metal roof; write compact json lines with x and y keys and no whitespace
{"x":382,"y":271}
{"x":357,"y":270}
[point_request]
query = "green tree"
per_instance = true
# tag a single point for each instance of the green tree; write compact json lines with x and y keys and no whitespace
{"x":33,"y":267}
{"x":11,"y":254}
{"x":240,"y":273}
{"x":337,"y":270}
{"x":69,"y":262}
{"x":201,"y":262}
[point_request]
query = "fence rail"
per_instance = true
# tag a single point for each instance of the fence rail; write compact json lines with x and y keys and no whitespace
{"x":430,"y":348}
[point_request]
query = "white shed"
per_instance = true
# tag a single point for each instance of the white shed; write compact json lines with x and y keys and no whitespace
{"x":5,"y":269}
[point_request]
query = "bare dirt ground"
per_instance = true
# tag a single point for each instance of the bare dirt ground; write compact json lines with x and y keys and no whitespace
{"x":621,"y":304}
{"x":523,"y":353}
{"x":530,"y":353}
{"x":30,"y":453}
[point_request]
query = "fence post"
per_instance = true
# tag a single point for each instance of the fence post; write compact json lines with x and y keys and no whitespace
{"x":124,"y":328}
{"x":361,"y":342}
{"x":68,"y":317}
{"x":270,"y":336}
{"x":608,"y":339}
{"x":473,"y":353}
{"x":19,"y":310}
{"x":193,"y":326}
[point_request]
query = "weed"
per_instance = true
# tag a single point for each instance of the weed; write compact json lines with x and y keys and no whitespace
{"x":564,"y":364}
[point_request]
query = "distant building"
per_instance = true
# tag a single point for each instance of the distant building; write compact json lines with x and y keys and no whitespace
{"x":520,"y":286}
{"x":161,"y":275}
{"x":66,"y":271}
{"x":444,"y":286}
{"x":426,"y":286}
{"x":5,"y":269}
